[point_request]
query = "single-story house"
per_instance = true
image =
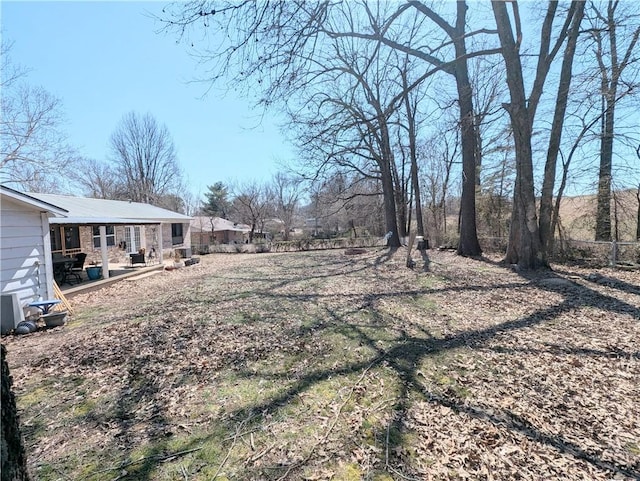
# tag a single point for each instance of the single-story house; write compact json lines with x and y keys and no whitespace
{"x":26,"y":272}
{"x":207,"y":231}
{"x":34,"y":228}
{"x":110,"y":230}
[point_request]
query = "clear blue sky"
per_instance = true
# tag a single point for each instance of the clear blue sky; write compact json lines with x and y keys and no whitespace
{"x":105,"y":59}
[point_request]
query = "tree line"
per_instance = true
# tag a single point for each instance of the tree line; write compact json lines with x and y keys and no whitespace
{"x":404,"y":114}
{"x":285,"y":206}
{"x":366,"y":86}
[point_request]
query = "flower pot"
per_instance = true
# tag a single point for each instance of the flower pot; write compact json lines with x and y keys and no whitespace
{"x":54,"y":319}
{"x":94,"y":272}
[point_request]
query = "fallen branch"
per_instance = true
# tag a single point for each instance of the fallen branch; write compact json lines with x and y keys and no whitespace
{"x":235,"y":440}
{"x":261,"y":454}
{"x":156,"y":457}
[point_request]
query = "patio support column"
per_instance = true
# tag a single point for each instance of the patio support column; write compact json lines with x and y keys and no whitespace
{"x":103,"y":251}
{"x":160,"y":250}
{"x":49,"y":292}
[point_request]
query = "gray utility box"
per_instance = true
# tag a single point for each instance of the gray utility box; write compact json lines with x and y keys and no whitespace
{"x":11,"y":313}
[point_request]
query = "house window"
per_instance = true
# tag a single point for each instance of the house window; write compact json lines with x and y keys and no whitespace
{"x":176,"y":234}
{"x":65,"y":237}
{"x":72,"y":237}
{"x":56,"y":238}
{"x":111,"y":236}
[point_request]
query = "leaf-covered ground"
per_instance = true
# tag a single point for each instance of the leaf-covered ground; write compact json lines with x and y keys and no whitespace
{"x":322,"y":365}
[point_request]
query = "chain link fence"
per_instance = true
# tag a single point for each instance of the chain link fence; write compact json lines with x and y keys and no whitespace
{"x":595,"y":253}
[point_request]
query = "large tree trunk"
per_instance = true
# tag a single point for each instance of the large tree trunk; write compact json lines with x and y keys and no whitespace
{"x":611,"y":79}
{"x":468,"y":245}
{"x":546,"y":201}
{"x":402,"y":202}
{"x":416,"y":194}
{"x":603,"y":215}
{"x":524,"y":246}
{"x":387,"y":168}
{"x":390,"y":214}
{"x":413,"y":153}
{"x":14,"y":460}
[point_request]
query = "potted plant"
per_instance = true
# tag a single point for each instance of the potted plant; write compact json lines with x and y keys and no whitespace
{"x":94,"y":271}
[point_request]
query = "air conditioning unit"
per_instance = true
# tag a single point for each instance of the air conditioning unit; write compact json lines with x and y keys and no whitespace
{"x":11,"y":312}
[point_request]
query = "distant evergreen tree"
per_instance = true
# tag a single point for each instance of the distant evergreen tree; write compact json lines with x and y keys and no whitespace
{"x":216,"y":202}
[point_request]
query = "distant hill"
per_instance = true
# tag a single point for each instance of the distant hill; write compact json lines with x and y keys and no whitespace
{"x":578,"y":215}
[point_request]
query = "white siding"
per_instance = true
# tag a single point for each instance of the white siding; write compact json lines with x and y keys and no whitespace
{"x":22,"y":252}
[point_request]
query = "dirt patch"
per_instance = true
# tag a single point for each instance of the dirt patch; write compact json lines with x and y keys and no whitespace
{"x":321,"y":365}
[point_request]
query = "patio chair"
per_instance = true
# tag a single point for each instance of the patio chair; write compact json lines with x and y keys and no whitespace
{"x":77,"y":267}
{"x":137,"y":258}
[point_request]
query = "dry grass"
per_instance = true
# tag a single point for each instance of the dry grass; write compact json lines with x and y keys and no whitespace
{"x":321,"y":365}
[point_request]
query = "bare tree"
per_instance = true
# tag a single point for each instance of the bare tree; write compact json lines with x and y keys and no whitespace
{"x":638,"y":214}
{"x":562,"y":98}
{"x":345,"y":202}
{"x":277,"y":44}
{"x":612,"y":60}
{"x":409,"y":123}
{"x":456,"y":65}
{"x":34,"y":146}
{"x":638,"y":199}
{"x":286,"y":192}
{"x":99,"y":180}
{"x":11,"y":72}
{"x":173,"y":202}
{"x":251,"y":206}
{"x":525,"y":246}
{"x":439,"y":153}
{"x":191,"y":202}
{"x":343,"y":121}
{"x":144,"y":156}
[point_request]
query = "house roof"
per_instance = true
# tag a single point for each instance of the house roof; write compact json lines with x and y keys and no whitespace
{"x":83,"y":210}
{"x":31,"y":201}
{"x":203,"y":224}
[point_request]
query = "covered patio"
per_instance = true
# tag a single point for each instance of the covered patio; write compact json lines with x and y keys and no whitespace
{"x":117,"y":273}
{"x":112,"y":235}
{"x":103,"y":252}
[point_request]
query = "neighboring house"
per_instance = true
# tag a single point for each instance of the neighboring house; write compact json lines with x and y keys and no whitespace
{"x":25,"y":247}
{"x":207,"y":231}
{"x":109,"y":230}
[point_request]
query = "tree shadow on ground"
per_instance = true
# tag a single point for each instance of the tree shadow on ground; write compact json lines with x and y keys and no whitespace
{"x":607,"y":281}
{"x":408,"y":352}
{"x":138,"y":416}
{"x":403,"y":356}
